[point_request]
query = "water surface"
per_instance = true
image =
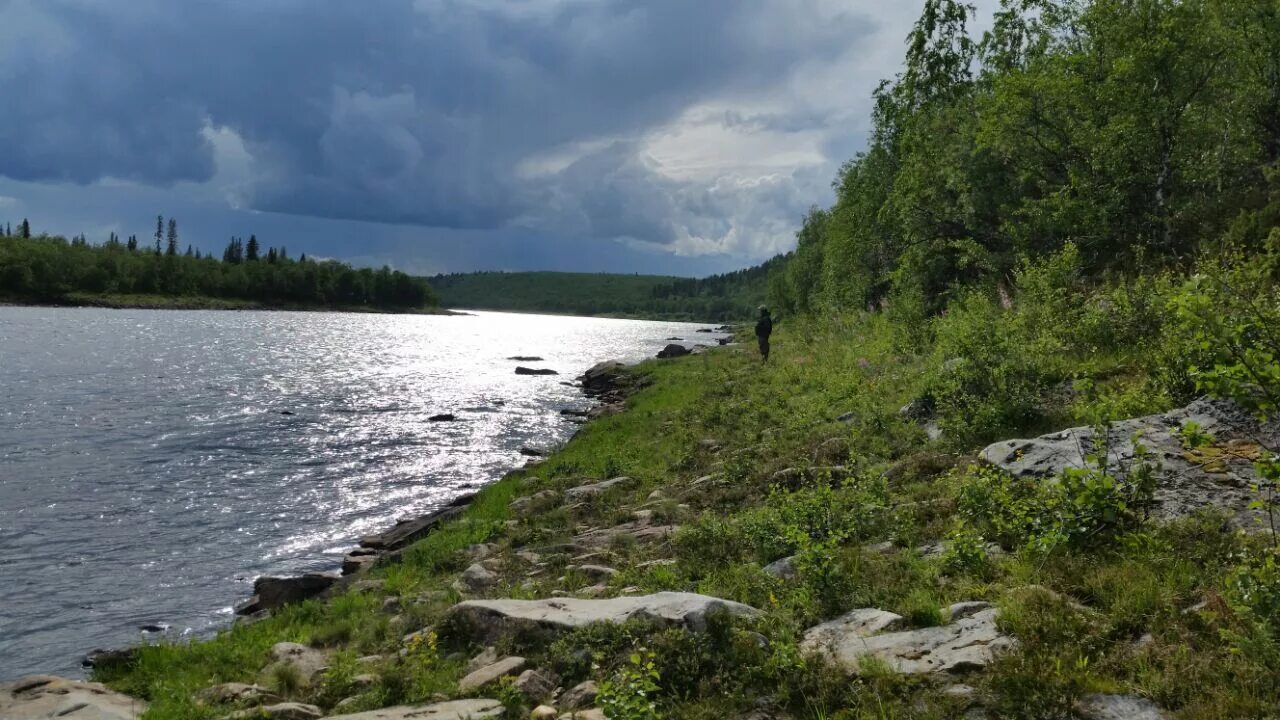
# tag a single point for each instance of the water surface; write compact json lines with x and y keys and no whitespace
{"x":153,"y":463}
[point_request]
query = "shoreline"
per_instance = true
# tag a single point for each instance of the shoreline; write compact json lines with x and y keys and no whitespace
{"x":162,"y":302}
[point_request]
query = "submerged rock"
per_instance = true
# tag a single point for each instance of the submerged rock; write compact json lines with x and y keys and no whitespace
{"x":491,"y":618}
{"x":522,"y":370}
{"x":443,"y":417}
{"x":968,"y":643}
{"x":525,"y":358}
{"x":1220,"y":475}
{"x":45,"y":696}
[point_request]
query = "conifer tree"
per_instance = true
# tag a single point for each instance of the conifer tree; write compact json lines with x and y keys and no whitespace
{"x":132,"y":245}
{"x":190,"y":251}
{"x":251,"y":251}
{"x":172,"y":237}
{"x":159,"y":232}
{"x":25,"y":229}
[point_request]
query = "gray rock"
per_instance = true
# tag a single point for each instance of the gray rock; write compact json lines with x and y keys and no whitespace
{"x":237,"y":694}
{"x":45,"y":696}
{"x":830,"y":636}
{"x":580,"y":695}
{"x":583,"y":492}
{"x":270,"y":593}
{"x":967,"y":644}
{"x":305,"y":662}
{"x":543,"y":712}
{"x":358,"y":560}
{"x":487,"y":657}
{"x":673,"y":351}
{"x":491,"y":618}
{"x":784,"y":569}
{"x":594,"y":572}
{"x":536,"y":685}
{"x":279,"y":711}
{"x":522,"y":370}
{"x":407,"y":532}
{"x":478,"y":709}
{"x":505,"y":667}
{"x":1118,"y":707}
{"x":476,"y":578}
{"x":1220,"y":476}
{"x":588,"y":714}
{"x":538,"y":501}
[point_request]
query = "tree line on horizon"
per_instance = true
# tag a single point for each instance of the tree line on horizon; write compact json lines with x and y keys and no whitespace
{"x":50,"y":268}
{"x":1138,"y":132}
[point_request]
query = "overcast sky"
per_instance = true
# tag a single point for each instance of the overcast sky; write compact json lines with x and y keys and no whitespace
{"x":675,"y":136}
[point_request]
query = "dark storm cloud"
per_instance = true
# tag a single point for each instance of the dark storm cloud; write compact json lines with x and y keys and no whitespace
{"x":409,"y":112}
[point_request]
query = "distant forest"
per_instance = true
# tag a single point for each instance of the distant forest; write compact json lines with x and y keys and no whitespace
{"x":719,"y":298}
{"x":53,"y":269}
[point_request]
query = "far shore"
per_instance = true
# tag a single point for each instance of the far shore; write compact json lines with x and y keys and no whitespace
{"x":198,"y":302}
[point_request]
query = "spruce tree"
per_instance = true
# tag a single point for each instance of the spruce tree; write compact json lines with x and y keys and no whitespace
{"x":190,"y":251}
{"x":25,"y":229}
{"x":251,"y":251}
{"x":172,"y":237}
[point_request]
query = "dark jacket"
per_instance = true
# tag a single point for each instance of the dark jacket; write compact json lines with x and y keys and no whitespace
{"x":764,"y":327}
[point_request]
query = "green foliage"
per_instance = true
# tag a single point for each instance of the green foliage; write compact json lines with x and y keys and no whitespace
{"x":629,"y":693}
{"x":49,"y":269}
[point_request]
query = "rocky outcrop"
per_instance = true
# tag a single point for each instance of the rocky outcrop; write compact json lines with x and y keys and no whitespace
{"x":302,"y":661}
{"x":581,"y":695}
{"x":407,"y":532}
{"x":1118,"y":707}
{"x":237,"y":694}
{"x":270,"y":593}
{"x":45,"y":696}
{"x":279,"y":711}
{"x":783,"y":569}
{"x":522,"y":370}
{"x":673,"y":350}
{"x":1220,"y":475}
{"x":582,"y":492}
{"x":506,"y":667}
{"x":603,"y":378}
{"x":536,"y":685}
{"x":475,"y":579}
{"x":967,"y":643}
{"x":492,"y":618}
{"x":478,"y":709}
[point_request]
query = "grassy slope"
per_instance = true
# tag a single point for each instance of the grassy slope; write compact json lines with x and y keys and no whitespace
{"x":724,"y":413}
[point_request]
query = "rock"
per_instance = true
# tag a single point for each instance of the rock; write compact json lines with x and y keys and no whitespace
{"x":1118,"y":707}
{"x":632,"y":532}
{"x":522,"y":370}
{"x":532,"y":452}
{"x":967,"y":644}
{"x":673,"y":351}
{"x":725,"y":341}
{"x":1221,"y":475}
{"x":704,"y":330}
{"x":543,"y":712}
{"x":536,"y":502}
{"x":108,"y":658}
{"x":492,"y":673}
{"x":237,"y":694}
{"x":603,"y":378}
{"x":570,"y":412}
{"x":270,"y":593}
{"x":407,"y":532}
{"x":279,"y":711}
{"x":491,"y":618}
{"x":358,"y":560}
{"x":593,"y":572}
{"x":153,"y":627}
{"x":783,"y":569}
{"x":476,"y":578}
{"x":305,"y":661}
{"x":46,"y":696}
{"x":442,"y":417}
{"x":487,"y":657}
{"x":345,"y":704}
{"x":392,"y":606}
{"x":589,"y":714}
{"x":536,"y":685}
{"x":580,"y":695}
{"x":847,"y":417}
{"x":453,"y":710}
{"x":525,"y":358}
{"x":582,"y":492}
{"x":919,"y":409}
{"x":832,"y":451}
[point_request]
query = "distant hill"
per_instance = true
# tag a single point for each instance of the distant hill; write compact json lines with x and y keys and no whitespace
{"x":718,"y":298}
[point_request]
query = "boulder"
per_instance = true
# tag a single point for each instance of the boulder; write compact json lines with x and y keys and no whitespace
{"x":968,"y":643}
{"x":783,"y":569}
{"x":536,"y":685}
{"x":580,"y":695}
{"x":1118,"y":707}
{"x":536,"y":502}
{"x":582,"y":492}
{"x":104,"y":658}
{"x":270,"y":593}
{"x":46,"y":696}
{"x":594,"y":573}
{"x":492,"y":618}
{"x":442,"y":417}
{"x":522,"y":370}
{"x":532,"y":452}
{"x":359,"y":559}
{"x":603,"y":378}
{"x":673,"y":351}
{"x":237,"y":694}
{"x":543,"y":712}
{"x":506,"y":667}
{"x":588,"y":714}
{"x":476,"y":578}
{"x":1218,"y":476}
{"x":305,"y":661}
{"x":279,"y":711}
{"x":477,"y":709}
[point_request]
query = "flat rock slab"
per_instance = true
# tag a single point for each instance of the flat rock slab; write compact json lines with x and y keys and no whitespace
{"x":407,"y":532}
{"x":1221,"y":475}
{"x":478,"y":709}
{"x":505,"y":667}
{"x":689,"y":610}
{"x":967,"y":644}
{"x":237,"y":693}
{"x":582,"y":492}
{"x":45,"y":696}
{"x":1118,"y":707}
{"x":279,"y":711}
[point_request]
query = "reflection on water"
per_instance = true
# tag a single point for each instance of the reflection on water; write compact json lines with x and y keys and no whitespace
{"x":152,"y":463}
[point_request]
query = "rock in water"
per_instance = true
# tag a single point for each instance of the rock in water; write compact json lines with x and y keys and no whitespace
{"x":492,"y":618}
{"x":45,"y":696}
{"x":968,"y":643}
{"x":673,"y":351}
{"x":522,"y":370}
{"x":442,"y":417}
{"x":603,"y":378}
{"x":478,"y":709}
{"x":270,"y":593}
{"x":1220,"y":475}
{"x":525,"y":358}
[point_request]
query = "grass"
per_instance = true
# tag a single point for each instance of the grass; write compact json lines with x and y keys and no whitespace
{"x":710,"y":442}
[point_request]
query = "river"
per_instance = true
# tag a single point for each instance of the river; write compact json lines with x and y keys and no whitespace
{"x":153,"y":463}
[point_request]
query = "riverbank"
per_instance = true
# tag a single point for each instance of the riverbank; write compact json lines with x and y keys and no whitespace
{"x":830,"y":553}
{"x":196,"y":302}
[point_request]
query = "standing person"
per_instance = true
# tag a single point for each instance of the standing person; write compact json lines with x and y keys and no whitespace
{"x":764,"y":328}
